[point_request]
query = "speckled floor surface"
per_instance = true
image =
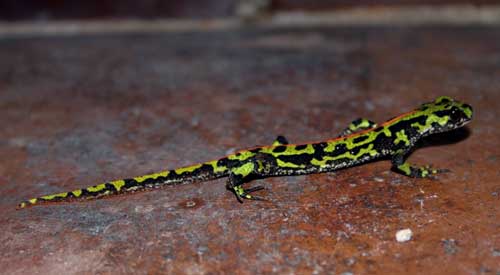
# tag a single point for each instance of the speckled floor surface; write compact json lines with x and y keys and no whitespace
{"x":75,"y":111}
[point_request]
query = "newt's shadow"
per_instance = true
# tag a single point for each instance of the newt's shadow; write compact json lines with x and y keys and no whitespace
{"x":451,"y":137}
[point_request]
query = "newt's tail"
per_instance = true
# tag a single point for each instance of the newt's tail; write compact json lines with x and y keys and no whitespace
{"x":198,"y":172}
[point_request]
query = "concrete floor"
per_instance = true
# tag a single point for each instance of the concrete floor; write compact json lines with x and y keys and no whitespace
{"x":75,"y":111}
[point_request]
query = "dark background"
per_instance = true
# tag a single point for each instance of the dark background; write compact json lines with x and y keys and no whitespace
{"x":152,"y":9}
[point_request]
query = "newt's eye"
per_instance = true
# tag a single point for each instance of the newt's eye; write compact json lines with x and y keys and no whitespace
{"x":455,"y":113}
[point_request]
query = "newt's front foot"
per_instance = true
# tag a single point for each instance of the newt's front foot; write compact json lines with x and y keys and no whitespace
{"x":430,"y":172}
{"x":419,"y":172}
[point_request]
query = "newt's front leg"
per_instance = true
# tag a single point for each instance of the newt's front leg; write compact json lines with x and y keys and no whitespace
{"x":401,"y":166}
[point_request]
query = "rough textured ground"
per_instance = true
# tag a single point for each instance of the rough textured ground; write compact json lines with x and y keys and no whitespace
{"x":76,"y":111}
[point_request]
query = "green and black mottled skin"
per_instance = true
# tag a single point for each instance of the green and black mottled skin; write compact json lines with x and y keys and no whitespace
{"x":361,"y":142}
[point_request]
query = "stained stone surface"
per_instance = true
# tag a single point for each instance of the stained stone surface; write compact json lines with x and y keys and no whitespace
{"x":80,"y":110}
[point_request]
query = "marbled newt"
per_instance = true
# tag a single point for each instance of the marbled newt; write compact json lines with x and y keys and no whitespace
{"x":361,"y":142}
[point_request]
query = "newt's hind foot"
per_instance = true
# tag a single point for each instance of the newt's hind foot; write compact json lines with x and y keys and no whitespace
{"x":242,"y":193}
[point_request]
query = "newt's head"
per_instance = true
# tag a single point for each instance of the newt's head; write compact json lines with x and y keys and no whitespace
{"x":444,"y":114}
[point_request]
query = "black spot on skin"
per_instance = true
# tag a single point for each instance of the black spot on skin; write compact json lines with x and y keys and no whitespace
{"x":444,"y":101}
{"x":340,"y":149}
{"x":70,"y":195}
{"x":268,"y":161}
{"x":319,"y":150}
{"x":109,"y":187}
{"x":279,"y":149}
{"x":383,"y":142}
{"x":406,"y":124}
{"x":150,"y":182}
{"x":301,"y":159}
{"x":357,"y":122}
{"x":318,"y":157}
{"x":360,"y":139}
{"x":435,"y":125}
{"x":442,"y":113}
{"x":205,"y":168}
{"x":204,"y":171}
{"x":355,"y":150}
{"x":256,"y":150}
{"x":229,"y":163}
{"x":222,"y":162}
{"x":301,"y":147}
{"x":87,"y":193}
{"x":320,"y":145}
{"x":129,"y":183}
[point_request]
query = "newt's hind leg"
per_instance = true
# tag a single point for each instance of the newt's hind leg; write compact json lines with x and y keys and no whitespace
{"x":235,"y":183}
{"x":400,"y":165}
{"x":258,"y":166}
{"x":358,"y":125}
